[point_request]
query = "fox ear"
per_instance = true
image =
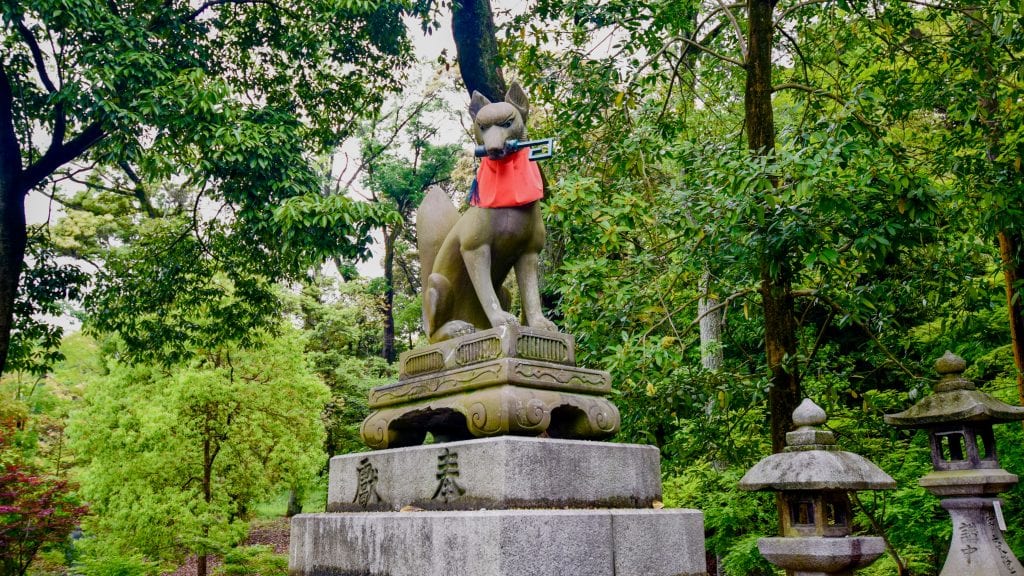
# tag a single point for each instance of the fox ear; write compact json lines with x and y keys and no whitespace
{"x":517,"y":97}
{"x":477,"y":102}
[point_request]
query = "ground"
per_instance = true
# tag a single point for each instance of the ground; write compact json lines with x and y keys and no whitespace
{"x":269,"y":532}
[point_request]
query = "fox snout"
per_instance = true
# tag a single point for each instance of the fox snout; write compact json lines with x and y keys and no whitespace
{"x":495,"y":123}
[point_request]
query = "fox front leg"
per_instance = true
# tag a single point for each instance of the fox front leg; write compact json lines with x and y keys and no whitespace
{"x":478,"y":265}
{"x":526,"y":276}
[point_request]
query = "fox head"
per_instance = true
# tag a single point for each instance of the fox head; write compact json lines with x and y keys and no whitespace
{"x":497,"y":122}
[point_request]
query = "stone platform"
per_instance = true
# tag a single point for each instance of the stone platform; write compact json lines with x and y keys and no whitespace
{"x":506,"y":506}
{"x":497,"y":473}
{"x":508,"y":380}
{"x":499,"y":543}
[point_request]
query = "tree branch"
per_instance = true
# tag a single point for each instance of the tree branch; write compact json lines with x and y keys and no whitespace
{"x":10,"y":149}
{"x":901,"y":566}
{"x":872,"y":126}
{"x":139,"y":191}
{"x":801,"y":5}
{"x":37,"y":56}
{"x":61,"y":153}
{"x":835,"y":306}
{"x":198,"y":11}
{"x":736,"y":27}
{"x":707,"y":50}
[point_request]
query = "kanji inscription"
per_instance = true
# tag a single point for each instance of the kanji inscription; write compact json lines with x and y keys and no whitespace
{"x":366,"y":489}
{"x":448,"y":488}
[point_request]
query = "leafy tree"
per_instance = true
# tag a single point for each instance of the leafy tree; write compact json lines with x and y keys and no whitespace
{"x":173,"y":459}
{"x":342,"y":322}
{"x":35,"y":509}
{"x":399,"y":183}
{"x":227,"y":96}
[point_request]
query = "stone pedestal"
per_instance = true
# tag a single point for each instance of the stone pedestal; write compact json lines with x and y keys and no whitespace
{"x":508,"y":380}
{"x":507,"y":506}
{"x":978,"y":546}
{"x":499,"y":473}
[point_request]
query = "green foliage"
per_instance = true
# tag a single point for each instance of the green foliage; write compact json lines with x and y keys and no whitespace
{"x":205,"y":115}
{"x":36,"y":509}
{"x":253,"y":560}
{"x":174,"y":458}
{"x":733,"y":520}
{"x":875,"y":206}
{"x":343,"y":321}
{"x":46,"y":286}
{"x":105,"y":561}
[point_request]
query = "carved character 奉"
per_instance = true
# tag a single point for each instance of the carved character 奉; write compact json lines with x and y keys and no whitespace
{"x":465,"y":258}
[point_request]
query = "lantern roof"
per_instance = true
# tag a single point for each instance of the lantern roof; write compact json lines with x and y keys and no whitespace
{"x":812,"y":461}
{"x":956,"y":401}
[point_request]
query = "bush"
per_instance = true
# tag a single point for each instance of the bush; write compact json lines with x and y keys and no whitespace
{"x":253,"y":560}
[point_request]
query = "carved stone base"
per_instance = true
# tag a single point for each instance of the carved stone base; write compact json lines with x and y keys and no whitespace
{"x":978,"y":547}
{"x":496,"y":473}
{"x":492,"y":411}
{"x":499,"y":543}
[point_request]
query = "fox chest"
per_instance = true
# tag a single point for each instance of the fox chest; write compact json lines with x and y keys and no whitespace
{"x":518,"y":227}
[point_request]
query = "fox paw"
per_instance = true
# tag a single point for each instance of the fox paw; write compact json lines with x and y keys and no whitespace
{"x":453,"y":329}
{"x":503,"y":319}
{"x":542,"y":323}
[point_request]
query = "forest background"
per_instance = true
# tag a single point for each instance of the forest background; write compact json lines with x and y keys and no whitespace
{"x":751,"y":203}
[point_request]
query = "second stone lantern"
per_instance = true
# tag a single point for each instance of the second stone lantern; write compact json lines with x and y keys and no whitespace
{"x":813,"y":478}
{"x":967,"y":476}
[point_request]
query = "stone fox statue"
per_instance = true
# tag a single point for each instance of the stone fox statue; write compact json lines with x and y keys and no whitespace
{"x":465,"y":258}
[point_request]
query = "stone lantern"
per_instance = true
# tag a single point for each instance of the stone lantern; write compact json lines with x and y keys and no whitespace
{"x":967,"y":476}
{"x":813,"y":478}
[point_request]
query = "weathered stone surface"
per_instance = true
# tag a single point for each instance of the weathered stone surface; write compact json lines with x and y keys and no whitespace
{"x":978,"y":547}
{"x":968,"y":482}
{"x":955,"y":401}
{"x":822,"y":556}
{"x":816,"y":470}
{"x":501,"y":342}
{"x":500,"y":543}
{"x":515,"y":371}
{"x":954,"y":407}
{"x":492,"y":411}
{"x":497,"y":473}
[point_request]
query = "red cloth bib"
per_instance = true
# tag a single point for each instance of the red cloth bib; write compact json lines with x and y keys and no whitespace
{"x":511,"y":181}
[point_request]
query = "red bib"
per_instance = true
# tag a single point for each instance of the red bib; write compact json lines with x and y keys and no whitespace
{"x":511,"y":181}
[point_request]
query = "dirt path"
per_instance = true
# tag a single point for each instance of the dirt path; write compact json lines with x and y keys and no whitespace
{"x":272,"y":532}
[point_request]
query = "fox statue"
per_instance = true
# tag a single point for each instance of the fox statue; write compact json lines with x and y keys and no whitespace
{"x":465,"y":258}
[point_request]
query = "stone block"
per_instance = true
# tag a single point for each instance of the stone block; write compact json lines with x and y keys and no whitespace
{"x":493,"y":473}
{"x":493,"y":411}
{"x":502,"y":342}
{"x":514,"y":371}
{"x":499,"y":543}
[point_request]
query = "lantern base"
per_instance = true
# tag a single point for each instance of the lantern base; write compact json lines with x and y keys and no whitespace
{"x":978,"y":547}
{"x":818,"y":556}
{"x":966,"y":483}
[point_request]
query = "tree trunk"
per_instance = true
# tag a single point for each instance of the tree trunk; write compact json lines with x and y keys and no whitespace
{"x":1010,"y":246}
{"x":12,"y":216}
{"x":477,"y":47}
{"x":776,"y":280}
{"x":202,"y":560}
{"x":388,"y":349}
{"x":1010,"y":242}
{"x":710,"y":326}
{"x":294,"y":503}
